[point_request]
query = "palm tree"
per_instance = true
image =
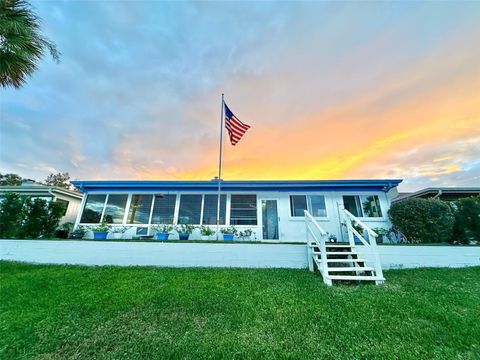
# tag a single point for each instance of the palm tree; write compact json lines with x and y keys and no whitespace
{"x":21,"y":43}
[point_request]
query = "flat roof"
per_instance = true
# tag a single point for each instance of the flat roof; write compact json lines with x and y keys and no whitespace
{"x":439,"y":191}
{"x":236,"y":185}
{"x":39,"y":190}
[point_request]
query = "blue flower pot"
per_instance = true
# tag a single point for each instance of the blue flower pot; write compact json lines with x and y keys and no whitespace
{"x":100,"y":235}
{"x":183,"y":236}
{"x":357,"y":240}
{"x":162,"y":236}
{"x":228,"y":237}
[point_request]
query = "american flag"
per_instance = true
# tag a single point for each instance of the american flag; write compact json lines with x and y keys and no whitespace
{"x":235,"y":127}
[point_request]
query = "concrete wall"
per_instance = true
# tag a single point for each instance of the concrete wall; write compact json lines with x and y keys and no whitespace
{"x":218,"y":255}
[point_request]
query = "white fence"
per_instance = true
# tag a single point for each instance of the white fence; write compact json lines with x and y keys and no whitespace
{"x":218,"y":255}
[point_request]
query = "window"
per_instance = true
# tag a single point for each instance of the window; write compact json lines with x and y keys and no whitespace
{"x":315,"y":204}
{"x":190,"y":208}
{"x":210,"y":205}
{"x":362,"y":205}
{"x":139,"y":212}
{"x":163,"y":209}
{"x":243,"y":210}
{"x":92,"y":212}
{"x":115,"y":208}
{"x":65,"y":205}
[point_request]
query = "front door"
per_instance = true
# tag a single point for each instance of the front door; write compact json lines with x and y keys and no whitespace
{"x":270,"y":220}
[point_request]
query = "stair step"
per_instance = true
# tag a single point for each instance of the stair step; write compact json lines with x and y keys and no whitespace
{"x":344,"y":260}
{"x":353,"y":268}
{"x":341,"y":253}
{"x":353,"y":277}
{"x":339,"y":246}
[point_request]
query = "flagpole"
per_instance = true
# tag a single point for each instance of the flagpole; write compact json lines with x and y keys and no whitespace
{"x":220,"y":167}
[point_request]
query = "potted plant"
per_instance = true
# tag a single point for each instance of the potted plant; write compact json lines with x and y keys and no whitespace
{"x":206,"y":232}
{"x":359,"y":230}
{"x":229,"y":233}
{"x":332,"y":238}
{"x":64,"y":230}
{"x":184,"y":231}
{"x":162,"y":231}
{"x":118,"y":231}
{"x":78,"y":233}
{"x":382,"y":234}
{"x":245,"y":234}
{"x":100,"y":231}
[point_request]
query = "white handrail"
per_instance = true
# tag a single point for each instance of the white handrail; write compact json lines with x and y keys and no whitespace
{"x":372,"y":244}
{"x":320,"y":243}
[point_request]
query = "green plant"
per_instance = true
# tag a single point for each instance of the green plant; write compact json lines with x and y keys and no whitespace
{"x":206,"y":231}
{"x":68,"y":226}
{"x":102,"y":227}
{"x":185,"y":229}
{"x":118,"y":229}
{"x":163,"y":229}
{"x":245,"y":233}
{"x":229,"y":230}
{"x":467,"y":220}
{"x":11,"y":213}
{"x":423,"y":220}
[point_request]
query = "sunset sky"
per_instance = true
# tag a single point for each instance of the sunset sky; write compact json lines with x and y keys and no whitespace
{"x":332,"y":90}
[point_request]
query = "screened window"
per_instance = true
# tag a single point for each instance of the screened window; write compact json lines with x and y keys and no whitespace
{"x":65,"y":205}
{"x":163,"y":209}
{"x":139,"y":211}
{"x":315,"y":204}
{"x":190,"y":208}
{"x":371,"y":206}
{"x":298,"y":205}
{"x":92,"y":212}
{"x":363,"y":206}
{"x":210,"y":205}
{"x":243,"y":210}
{"x":115,"y":208}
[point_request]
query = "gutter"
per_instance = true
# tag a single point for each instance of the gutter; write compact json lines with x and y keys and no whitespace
{"x":438,"y":195}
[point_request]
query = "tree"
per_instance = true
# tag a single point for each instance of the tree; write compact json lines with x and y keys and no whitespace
{"x":10,"y":180}
{"x":59,"y":179}
{"x":21,"y":43}
{"x":11,"y":213}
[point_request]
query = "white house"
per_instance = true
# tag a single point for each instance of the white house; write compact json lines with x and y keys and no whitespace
{"x":274,"y":210}
{"x":71,"y":199}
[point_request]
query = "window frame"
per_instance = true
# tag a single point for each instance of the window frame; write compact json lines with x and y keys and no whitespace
{"x":363,"y":217}
{"x":229,"y":209}
{"x":309,"y":206}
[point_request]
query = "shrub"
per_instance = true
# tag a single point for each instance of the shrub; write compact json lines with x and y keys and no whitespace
{"x":467,"y":220}
{"x":423,"y":220}
{"x":40,"y":218}
{"x":11,"y":211}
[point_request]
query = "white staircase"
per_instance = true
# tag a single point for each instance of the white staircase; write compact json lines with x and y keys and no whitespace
{"x":342,"y":262}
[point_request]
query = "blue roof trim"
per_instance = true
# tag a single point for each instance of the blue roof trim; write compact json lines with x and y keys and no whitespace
{"x":234,"y":185}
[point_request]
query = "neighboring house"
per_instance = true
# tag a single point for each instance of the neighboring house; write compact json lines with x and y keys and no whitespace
{"x":71,"y":199}
{"x":274,"y":210}
{"x":442,"y":193}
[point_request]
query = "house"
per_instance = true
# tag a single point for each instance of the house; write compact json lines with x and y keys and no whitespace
{"x":71,"y":199}
{"x":442,"y":193}
{"x":274,"y":210}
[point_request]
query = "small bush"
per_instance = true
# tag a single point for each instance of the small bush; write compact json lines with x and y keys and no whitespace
{"x":467,"y":220}
{"x":423,"y":220}
{"x":22,"y":217}
{"x":11,"y":212}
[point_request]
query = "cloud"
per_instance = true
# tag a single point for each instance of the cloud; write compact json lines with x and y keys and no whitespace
{"x":332,"y":90}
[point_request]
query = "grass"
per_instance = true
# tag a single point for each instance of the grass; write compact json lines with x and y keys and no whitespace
{"x":74,"y":312}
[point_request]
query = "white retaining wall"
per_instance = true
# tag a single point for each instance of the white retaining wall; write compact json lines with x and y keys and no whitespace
{"x":218,"y":255}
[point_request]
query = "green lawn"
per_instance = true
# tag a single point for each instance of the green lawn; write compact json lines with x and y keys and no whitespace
{"x":72,"y":312}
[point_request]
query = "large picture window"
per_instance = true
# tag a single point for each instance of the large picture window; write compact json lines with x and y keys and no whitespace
{"x":115,"y":208}
{"x":243,"y":210}
{"x":363,"y":205}
{"x":139,"y":212}
{"x":92,"y":212}
{"x":210,"y":205}
{"x":315,"y":204}
{"x":163,"y":209}
{"x":190,"y":208}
